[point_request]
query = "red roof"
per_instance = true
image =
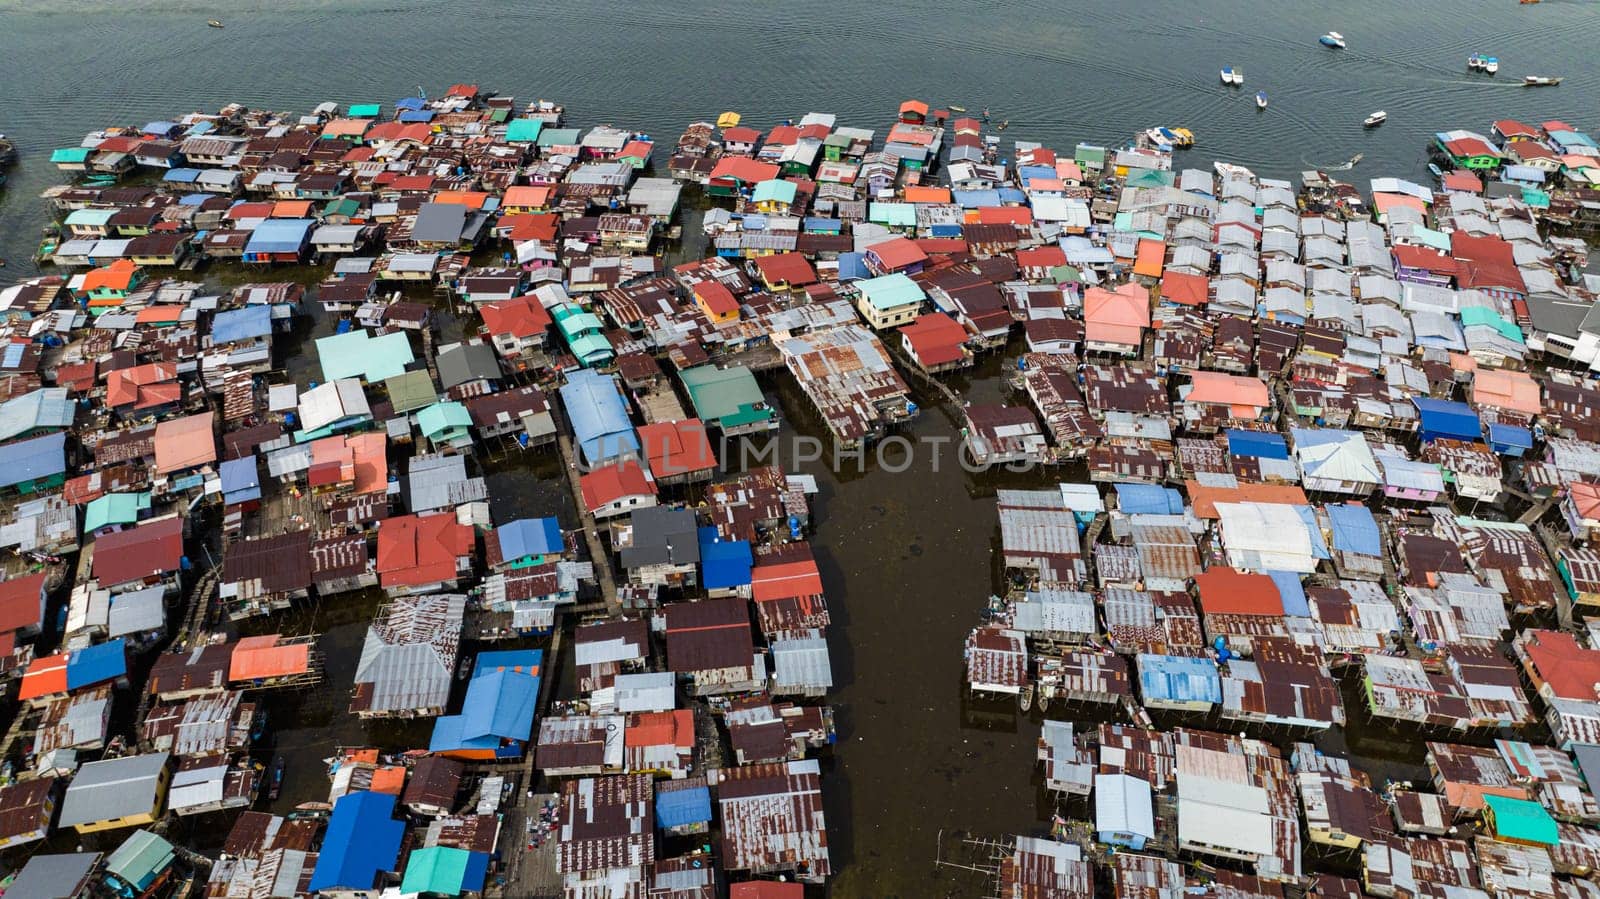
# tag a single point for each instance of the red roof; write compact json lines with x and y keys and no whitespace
{"x":415,"y":550}
{"x":941,"y":245}
{"x":718,"y":299}
{"x":782,"y":136}
{"x":1514,"y":128}
{"x":676,"y":447}
{"x":1463,"y":181}
{"x":744,"y":169}
{"x":1571,"y":671}
{"x":1424,"y":258}
{"x":1485,"y":261}
{"x":396,"y":131}
{"x":1224,"y":591}
{"x":47,"y":676}
{"x":741,"y":135}
{"x":916,"y":106}
{"x":147,"y":550}
{"x":897,"y":253}
{"x":791,"y":269}
{"x":523,"y":226}
{"x":1045,"y":257}
{"x":1185,"y":288}
{"x":786,"y":580}
{"x":935,"y":338}
{"x":21,"y":602}
{"x":1001,"y":215}
{"x":1470,"y":146}
{"x":613,"y":482}
{"x":521,"y":317}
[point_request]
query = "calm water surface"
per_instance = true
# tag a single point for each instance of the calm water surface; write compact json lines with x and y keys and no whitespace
{"x":907,"y":559}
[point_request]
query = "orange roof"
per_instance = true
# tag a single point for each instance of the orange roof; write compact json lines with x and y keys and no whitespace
{"x":926,"y":194}
{"x":916,"y":106}
{"x":613,"y":482}
{"x":415,"y":550}
{"x":1232,"y":390}
{"x":1128,"y":305}
{"x":371,"y":456}
{"x":185,"y":442}
{"x":260,"y":658}
{"x":1151,"y":259}
{"x":1067,"y":170}
{"x":116,"y":276}
{"x":1205,"y":499}
{"x":291,"y":209}
{"x":660,"y":729}
{"x":155,"y":315}
{"x":1185,"y":288}
{"x":133,"y":385}
{"x":743,"y":168}
{"x":389,"y":779}
{"x":676,"y":447}
{"x":531,"y":226}
{"x":46,"y":676}
{"x":1469,"y":797}
{"x":1503,"y":389}
{"x":1385,"y":202}
{"x":1570,"y":670}
{"x":472,"y":199}
{"x":1000,"y":215}
{"x":531,"y":196}
{"x":786,"y":580}
{"x":521,"y":317}
{"x":1224,"y":591}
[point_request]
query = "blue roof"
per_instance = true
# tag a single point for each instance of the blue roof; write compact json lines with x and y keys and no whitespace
{"x":416,"y":115}
{"x":193,"y":200}
{"x":1148,"y":499}
{"x":723,"y":563}
{"x":181,"y":176}
{"x":677,"y":808}
{"x":1510,"y":435}
{"x":1292,"y":592}
{"x":409,"y":103}
{"x":1012,"y":196}
{"x":499,"y":704}
{"x":1354,"y":529}
{"x":973,"y":199}
{"x":853,"y":267}
{"x":97,"y":664}
{"x":599,"y":418}
{"x":1445,"y":418}
{"x":241,"y":478}
{"x":362,"y":839}
{"x":1257,"y":445}
{"x":279,"y":236}
{"x":529,"y":537}
{"x":29,"y":460}
{"x":526,"y":659}
{"x":1179,"y":678}
{"x":1308,"y":517}
{"x":244,"y":323}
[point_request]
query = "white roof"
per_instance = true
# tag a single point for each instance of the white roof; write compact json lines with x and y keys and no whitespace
{"x":326,"y":403}
{"x":1122,"y":805}
{"x":1223,"y":814}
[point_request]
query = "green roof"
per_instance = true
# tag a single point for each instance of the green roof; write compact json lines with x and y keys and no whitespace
{"x":728,"y":397}
{"x":551,"y":137}
{"x":1088,"y":153}
{"x":1150,"y":178}
{"x":357,"y":354}
{"x":893,"y":214}
{"x":1481,"y":315}
{"x":91,"y":217}
{"x":115,"y":508}
{"x":70,"y":154}
{"x":340,"y":206}
{"x":411,"y":390}
{"x":524,"y":130}
{"x":1521,"y":820}
{"x":1428,"y":237}
{"x":436,"y":869}
{"x":591,"y":349}
{"x":440,"y":418}
{"x":365,"y":110}
{"x":140,"y":858}
{"x":891,"y":291}
{"x":573,"y":320}
{"x":776,"y":190}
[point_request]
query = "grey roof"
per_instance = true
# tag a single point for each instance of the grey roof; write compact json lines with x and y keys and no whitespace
{"x":437,"y":481}
{"x":137,"y":612}
{"x":112,"y":788}
{"x":53,"y":876}
{"x":463,"y":362}
{"x":439,"y":223}
{"x":801,"y":663}
{"x":651,"y":692}
{"x":662,"y":536}
{"x":47,"y":407}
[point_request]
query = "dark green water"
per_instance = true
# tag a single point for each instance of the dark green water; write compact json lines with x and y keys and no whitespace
{"x":907,"y":558}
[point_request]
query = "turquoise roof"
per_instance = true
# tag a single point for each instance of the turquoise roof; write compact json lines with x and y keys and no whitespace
{"x":524,"y":130}
{"x":444,"y":870}
{"x":891,"y":291}
{"x":115,"y":508}
{"x":365,"y":110}
{"x":894,"y":215}
{"x":357,"y":354}
{"x":558,"y":137}
{"x":91,"y":217}
{"x":442,"y":417}
{"x":140,"y":859}
{"x":1481,"y":315}
{"x":774,"y":191}
{"x":70,"y":154}
{"x":1522,"y":820}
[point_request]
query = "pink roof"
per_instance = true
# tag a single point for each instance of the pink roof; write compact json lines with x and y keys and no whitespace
{"x":1585,"y":499}
{"x":185,"y":442}
{"x":1232,"y":390}
{"x":898,"y":252}
{"x":1128,"y":305}
{"x":1513,"y":390}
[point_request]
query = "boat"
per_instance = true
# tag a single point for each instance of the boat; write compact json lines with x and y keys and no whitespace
{"x":1539,"y":81}
{"x":1376,"y":119}
{"x":213,"y":23}
{"x":955,"y":108}
{"x":1182,"y":137}
{"x":1435,"y":171}
{"x":1232,"y":76}
{"x":1488,"y":65}
{"x":275,"y":784}
{"x":1003,"y":125}
{"x":1261,"y":99}
{"x":1332,"y":39}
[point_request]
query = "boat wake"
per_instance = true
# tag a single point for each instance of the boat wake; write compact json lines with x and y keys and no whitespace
{"x":1345,"y":166}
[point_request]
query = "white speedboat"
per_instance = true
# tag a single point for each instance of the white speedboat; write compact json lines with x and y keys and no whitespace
{"x":1261,"y":99}
{"x":1488,"y":65}
{"x":1232,"y":76}
{"x":1332,"y":39}
{"x":1376,"y":119}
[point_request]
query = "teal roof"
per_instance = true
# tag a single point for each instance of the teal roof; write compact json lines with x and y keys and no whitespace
{"x":1482,"y":315}
{"x":70,"y":154}
{"x":591,"y":349}
{"x":553,"y":137}
{"x":365,"y":110}
{"x":1089,"y":153}
{"x":444,"y":870}
{"x":441,"y":417}
{"x":357,"y":354}
{"x":891,"y":291}
{"x":140,"y":859}
{"x":775,"y":191}
{"x":894,"y":215}
{"x":91,"y":217}
{"x":1428,"y":237}
{"x":1522,"y":820}
{"x":115,"y":508}
{"x":727,"y":397}
{"x":524,"y":130}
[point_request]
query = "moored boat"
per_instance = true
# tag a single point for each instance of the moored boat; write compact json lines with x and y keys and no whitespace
{"x":1332,"y":39}
{"x":1435,"y":171}
{"x":1478,"y":62}
{"x":1232,"y":76}
{"x":213,"y":23}
{"x":1376,"y":119}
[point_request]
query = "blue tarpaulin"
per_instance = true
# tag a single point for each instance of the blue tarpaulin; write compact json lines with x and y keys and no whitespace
{"x":1354,"y":529}
{"x":1148,"y":499}
{"x":682,"y":808}
{"x":1257,"y":445}
{"x":97,"y":664}
{"x":723,"y":563}
{"x":244,"y":323}
{"x":1446,"y":418}
{"x":1308,"y":517}
{"x":363,"y":839}
{"x":529,"y":537}
{"x":1292,"y":592}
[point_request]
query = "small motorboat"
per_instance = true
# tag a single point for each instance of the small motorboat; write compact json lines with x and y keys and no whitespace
{"x":1261,"y":99}
{"x":1332,"y":39}
{"x":275,"y":784}
{"x":1374,"y":120}
{"x":1003,"y":125}
{"x":1435,"y":171}
{"x":1539,"y":81}
{"x":1232,"y":76}
{"x":213,"y":23}
{"x":1488,"y":65}
{"x":955,"y":108}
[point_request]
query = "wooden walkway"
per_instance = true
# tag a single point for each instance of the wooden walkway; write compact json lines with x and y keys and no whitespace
{"x":591,"y":528}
